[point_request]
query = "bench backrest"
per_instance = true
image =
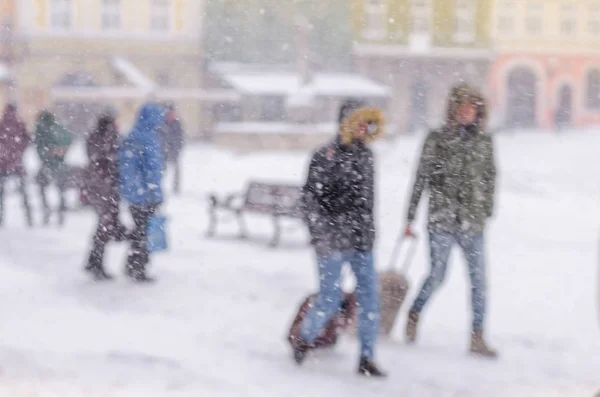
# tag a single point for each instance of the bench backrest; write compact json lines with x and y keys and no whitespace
{"x":283,"y":200}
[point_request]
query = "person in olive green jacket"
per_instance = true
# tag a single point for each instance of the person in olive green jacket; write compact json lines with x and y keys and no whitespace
{"x":457,"y":168}
{"x":52,"y":141}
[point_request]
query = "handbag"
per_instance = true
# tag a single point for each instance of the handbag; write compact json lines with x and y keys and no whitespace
{"x":156,"y":233}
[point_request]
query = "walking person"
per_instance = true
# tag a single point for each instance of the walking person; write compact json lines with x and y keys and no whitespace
{"x":457,"y":168}
{"x":14,"y":140}
{"x":141,"y":165}
{"x":339,"y":200}
{"x":102,"y":190}
{"x":52,"y":142}
{"x":172,"y":137}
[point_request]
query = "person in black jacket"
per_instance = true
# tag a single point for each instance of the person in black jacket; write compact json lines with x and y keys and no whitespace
{"x":102,"y":190}
{"x":338,"y":199}
{"x":171,"y":135}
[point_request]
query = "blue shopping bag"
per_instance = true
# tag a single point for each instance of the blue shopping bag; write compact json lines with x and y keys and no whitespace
{"x":157,"y":235}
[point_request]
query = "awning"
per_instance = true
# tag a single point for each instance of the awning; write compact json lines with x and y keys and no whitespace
{"x":143,"y":88}
{"x":108,"y":93}
{"x":133,"y":74}
{"x":289,"y":84}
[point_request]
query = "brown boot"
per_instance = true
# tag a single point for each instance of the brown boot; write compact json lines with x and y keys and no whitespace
{"x":479,"y":347}
{"x":411,"y":327}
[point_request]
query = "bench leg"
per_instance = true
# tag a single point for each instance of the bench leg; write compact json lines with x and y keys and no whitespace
{"x":242,"y":224}
{"x":276,"y":232}
{"x":212,"y":225}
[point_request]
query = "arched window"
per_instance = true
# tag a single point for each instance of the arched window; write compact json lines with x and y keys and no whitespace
{"x":522,"y":98}
{"x":593,"y":89}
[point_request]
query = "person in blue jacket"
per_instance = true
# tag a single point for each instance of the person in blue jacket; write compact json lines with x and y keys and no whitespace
{"x":141,"y":164}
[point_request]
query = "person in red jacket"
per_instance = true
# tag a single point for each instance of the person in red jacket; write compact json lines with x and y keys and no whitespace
{"x":13,"y":143}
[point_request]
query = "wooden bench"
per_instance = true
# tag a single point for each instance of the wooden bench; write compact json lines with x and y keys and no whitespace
{"x":277,"y":201}
{"x":74,"y":179}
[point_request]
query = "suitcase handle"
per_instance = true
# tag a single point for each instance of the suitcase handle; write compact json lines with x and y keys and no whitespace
{"x":402,"y":239}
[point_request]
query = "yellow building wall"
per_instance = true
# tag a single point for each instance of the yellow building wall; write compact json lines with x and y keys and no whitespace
{"x":185,"y":16}
{"x":442,"y":23}
{"x":551,"y":38}
{"x":86,"y":48}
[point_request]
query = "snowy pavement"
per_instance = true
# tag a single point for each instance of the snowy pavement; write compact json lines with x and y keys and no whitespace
{"x":215,"y":323}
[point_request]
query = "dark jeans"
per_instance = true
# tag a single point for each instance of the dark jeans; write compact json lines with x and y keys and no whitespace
{"x":176,"y":176}
{"x":22,"y":191}
{"x":109,"y":228}
{"x":440,"y":245}
{"x":138,"y":256}
{"x":45,"y":177}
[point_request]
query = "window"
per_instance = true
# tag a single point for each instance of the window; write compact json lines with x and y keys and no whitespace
{"x":506,"y":19}
{"x":160,"y":15}
{"x":594,"y":20}
{"x":465,"y":21}
{"x":376,"y":20}
{"x":60,"y":15}
{"x":111,"y":14}
{"x":593,"y":89}
{"x":163,"y":78}
{"x":568,"y":24}
{"x":227,"y":112}
{"x":421,"y":17}
{"x":272,"y":108}
{"x":534,"y":20}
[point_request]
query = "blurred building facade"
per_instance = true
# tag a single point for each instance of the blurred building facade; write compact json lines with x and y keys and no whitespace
{"x":420,"y":48}
{"x":77,"y":56}
{"x":537,"y":60}
{"x":546,"y":71}
{"x":285,"y":106}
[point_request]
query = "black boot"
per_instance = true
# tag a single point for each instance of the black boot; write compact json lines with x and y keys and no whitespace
{"x":138,"y":275}
{"x":95,"y":264}
{"x":368,"y":368}
{"x":99,"y":273}
{"x":137,"y":260}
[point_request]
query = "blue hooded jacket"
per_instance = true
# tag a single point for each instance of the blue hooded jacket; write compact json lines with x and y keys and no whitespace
{"x":141,"y":160}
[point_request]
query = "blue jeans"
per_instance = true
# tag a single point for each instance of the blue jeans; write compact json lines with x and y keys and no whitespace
{"x":440,"y":245}
{"x":330,"y":298}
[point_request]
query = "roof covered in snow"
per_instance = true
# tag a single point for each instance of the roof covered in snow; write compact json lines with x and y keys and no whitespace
{"x":290,"y":84}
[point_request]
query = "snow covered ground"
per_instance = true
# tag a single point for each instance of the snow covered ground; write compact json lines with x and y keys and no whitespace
{"x":215,"y":323}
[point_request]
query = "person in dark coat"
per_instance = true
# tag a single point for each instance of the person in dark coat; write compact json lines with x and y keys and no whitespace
{"x":14,"y":140}
{"x":171,"y":135}
{"x":141,"y":165}
{"x":339,"y":199}
{"x":52,"y":141}
{"x":102,"y":190}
